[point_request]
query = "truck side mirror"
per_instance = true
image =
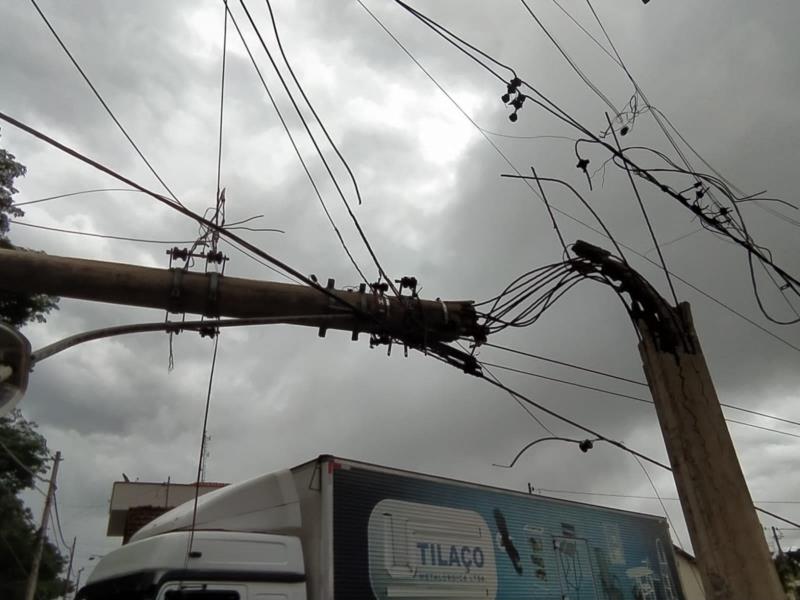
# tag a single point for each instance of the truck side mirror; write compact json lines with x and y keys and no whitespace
{"x":15,"y":364}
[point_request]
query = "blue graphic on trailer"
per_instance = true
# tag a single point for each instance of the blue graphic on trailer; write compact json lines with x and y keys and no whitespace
{"x":428,"y":538}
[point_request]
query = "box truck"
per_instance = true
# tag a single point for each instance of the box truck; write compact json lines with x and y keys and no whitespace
{"x":337,"y":529}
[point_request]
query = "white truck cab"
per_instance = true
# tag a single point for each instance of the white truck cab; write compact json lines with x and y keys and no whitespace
{"x":211,"y":565}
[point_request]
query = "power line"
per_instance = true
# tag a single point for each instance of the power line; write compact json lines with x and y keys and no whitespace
{"x":324,"y":161}
{"x":202,"y":446}
{"x":660,"y":501}
{"x":571,"y":62}
{"x":560,"y":211}
{"x":626,"y":396}
{"x":100,"y":235}
{"x":58,"y":520}
{"x":645,"y":215}
{"x":25,"y":468}
{"x":639,"y":497}
{"x":562,"y":363}
{"x":102,"y":101}
{"x":599,"y":436}
{"x":183,"y":210}
{"x":567,"y":382}
{"x":736,"y":232}
{"x":295,"y":147}
{"x":573,"y":423}
{"x":49,"y":198}
{"x":632,"y":381}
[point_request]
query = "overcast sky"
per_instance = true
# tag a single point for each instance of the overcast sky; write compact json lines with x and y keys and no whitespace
{"x":434,"y":206}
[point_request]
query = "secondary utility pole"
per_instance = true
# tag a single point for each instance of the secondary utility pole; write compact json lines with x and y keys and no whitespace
{"x":731,"y":549}
{"x":33,"y":578}
{"x":69,"y":568}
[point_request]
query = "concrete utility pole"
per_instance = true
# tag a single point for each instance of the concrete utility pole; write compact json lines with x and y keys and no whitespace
{"x":33,"y":577}
{"x":69,"y":568}
{"x":407,"y":318}
{"x":731,"y":549}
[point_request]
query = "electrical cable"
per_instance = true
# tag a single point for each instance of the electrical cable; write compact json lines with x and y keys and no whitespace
{"x":564,"y":364}
{"x":222,"y":94}
{"x":531,"y":414}
{"x":573,"y":423}
{"x":295,"y":147}
{"x":100,"y":235}
{"x":181,"y":209}
{"x":24,"y":467}
{"x":577,"y":425}
{"x":202,"y":450}
{"x":629,"y":397}
{"x":567,"y":382}
{"x":13,"y":553}
{"x":552,"y":108}
{"x":310,"y":106}
{"x":103,"y":102}
{"x":645,"y":215}
{"x":324,"y":161}
{"x":571,"y":62}
{"x":625,"y":379}
{"x":638,"y":497}
{"x":660,"y":501}
{"x":564,"y":213}
{"x":48,"y":198}
{"x":58,"y":520}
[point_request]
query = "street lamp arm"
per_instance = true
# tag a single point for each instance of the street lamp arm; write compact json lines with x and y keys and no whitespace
{"x":169,"y":326}
{"x":585,"y":445}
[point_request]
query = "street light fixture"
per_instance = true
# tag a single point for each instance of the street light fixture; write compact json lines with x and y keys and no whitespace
{"x":584,"y":445}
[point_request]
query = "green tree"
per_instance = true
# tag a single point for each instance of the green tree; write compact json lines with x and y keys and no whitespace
{"x":788,"y":566}
{"x":24,"y":456}
{"x":17,"y":308}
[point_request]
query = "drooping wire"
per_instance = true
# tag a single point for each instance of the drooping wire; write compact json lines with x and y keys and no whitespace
{"x":597,"y":435}
{"x":563,"y":364}
{"x":324,"y":161}
{"x":311,"y":106}
{"x":635,"y":398}
{"x":571,"y":62}
{"x":707,"y":295}
{"x":36,"y":476}
{"x":454,"y":39}
{"x":49,"y":198}
{"x":58,"y":521}
{"x":661,"y":502}
{"x":645,"y":215}
{"x":100,"y":235}
{"x":202,"y":450}
{"x":103,"y":102}
{"x":548,"y":105}
{"x":627,"y":380}
{"x":286,"y":129}
{"x":184,"y":211}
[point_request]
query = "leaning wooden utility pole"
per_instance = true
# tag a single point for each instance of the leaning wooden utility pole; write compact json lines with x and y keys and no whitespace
{"x":726,"y":534}
{"x":33,"y":576}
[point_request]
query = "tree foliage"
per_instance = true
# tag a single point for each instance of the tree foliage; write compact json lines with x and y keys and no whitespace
{"x":788,"y":566}
{"x":23,"y":457}
{"x":17,"y":309}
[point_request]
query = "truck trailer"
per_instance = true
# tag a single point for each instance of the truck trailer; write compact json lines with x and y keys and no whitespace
{"x":337,"y":529}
